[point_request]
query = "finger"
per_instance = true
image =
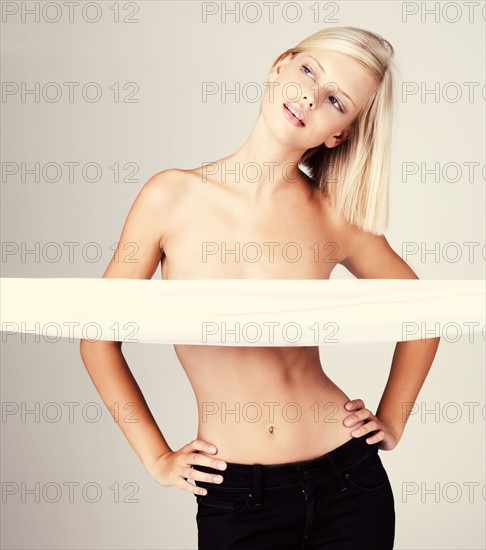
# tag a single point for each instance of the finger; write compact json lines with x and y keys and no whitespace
{"x":201,"y":445}
{"x":215,"y":478}
{"x":376,"y":438}
{"x":204,"y":460}
{"x":182,"y":477}
{"x":358,"y":416}
{"x":192,"y":488}
{"x":368,"y":427}
{"x":354,"y":404}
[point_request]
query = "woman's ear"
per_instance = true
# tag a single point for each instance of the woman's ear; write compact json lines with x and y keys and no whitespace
{"x":284,"y":58}
{"x":337,"y":139}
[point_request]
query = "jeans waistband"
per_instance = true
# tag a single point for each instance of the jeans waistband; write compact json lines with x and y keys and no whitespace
{"x":267,"y":476}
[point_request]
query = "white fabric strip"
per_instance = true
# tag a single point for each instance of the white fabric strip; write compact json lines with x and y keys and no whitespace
{"x":242,"y":312}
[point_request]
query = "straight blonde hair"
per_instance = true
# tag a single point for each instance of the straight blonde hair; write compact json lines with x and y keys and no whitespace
{"x":354,"y":175}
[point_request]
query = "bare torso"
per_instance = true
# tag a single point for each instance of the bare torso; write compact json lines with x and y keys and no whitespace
{"x":262,"y":405}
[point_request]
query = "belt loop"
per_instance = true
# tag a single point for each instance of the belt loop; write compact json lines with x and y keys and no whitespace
{"x":338,"y":472}
{"x":257,"y":477}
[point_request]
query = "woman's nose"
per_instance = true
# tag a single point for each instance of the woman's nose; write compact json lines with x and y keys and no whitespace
{"x":309,"y":99}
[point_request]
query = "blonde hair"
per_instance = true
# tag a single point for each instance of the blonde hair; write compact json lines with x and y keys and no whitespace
{"x":354,"y":175}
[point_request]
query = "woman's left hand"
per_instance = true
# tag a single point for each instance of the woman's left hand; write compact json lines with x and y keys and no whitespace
{"x":363,"y":421}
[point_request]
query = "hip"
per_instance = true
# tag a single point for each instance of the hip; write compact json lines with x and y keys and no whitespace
{"x":344,"y":495}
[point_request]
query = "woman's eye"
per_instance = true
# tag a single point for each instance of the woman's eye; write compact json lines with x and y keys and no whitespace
{"x":304,"y":68}
{"x":339,"y":106}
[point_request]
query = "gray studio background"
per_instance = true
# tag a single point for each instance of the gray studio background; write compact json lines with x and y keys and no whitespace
{"x":169,"y":53}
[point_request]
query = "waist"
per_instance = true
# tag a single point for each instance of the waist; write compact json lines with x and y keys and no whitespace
{"x":296,"y":424}
{"x":286,"y":475}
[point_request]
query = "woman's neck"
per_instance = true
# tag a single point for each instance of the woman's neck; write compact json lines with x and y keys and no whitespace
{"x":264,"y":164}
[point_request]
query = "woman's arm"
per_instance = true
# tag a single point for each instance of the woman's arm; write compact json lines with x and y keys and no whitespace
{"x":410,"y":365}
{"x":121,"y":394}
{"x":144,"y":233}
{"x":370,"y":256}
{"x":137,"y":256}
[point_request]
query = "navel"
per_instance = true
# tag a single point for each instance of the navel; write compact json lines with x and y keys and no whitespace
{"x":270,"y":429}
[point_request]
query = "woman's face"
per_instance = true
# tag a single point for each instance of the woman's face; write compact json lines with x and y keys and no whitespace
{"x":326,"y":90}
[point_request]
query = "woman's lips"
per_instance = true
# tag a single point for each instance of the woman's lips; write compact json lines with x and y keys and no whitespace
{"x":291,"y":117}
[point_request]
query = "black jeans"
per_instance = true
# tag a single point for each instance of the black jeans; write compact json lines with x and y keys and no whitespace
{"x":341,"y":500}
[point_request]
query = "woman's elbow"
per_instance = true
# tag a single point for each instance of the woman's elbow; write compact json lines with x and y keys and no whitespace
{"x":87,"y":346}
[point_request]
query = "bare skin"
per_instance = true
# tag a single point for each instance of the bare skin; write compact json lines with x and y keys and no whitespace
{"x":182,"y":219}
{"x":292,"y":378}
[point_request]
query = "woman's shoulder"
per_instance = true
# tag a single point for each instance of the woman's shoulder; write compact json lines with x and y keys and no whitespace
{"x":179,"y":177}
{"x":348,"y":234}
{"x":336,"y":219}
{"x":173,"y":182}
{"x":169,"y":178}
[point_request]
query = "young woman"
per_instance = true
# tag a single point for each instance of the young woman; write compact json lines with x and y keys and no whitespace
{"x":282,"y":481}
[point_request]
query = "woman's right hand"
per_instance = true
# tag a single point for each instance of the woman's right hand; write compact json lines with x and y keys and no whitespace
{"x":175,"y":467}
